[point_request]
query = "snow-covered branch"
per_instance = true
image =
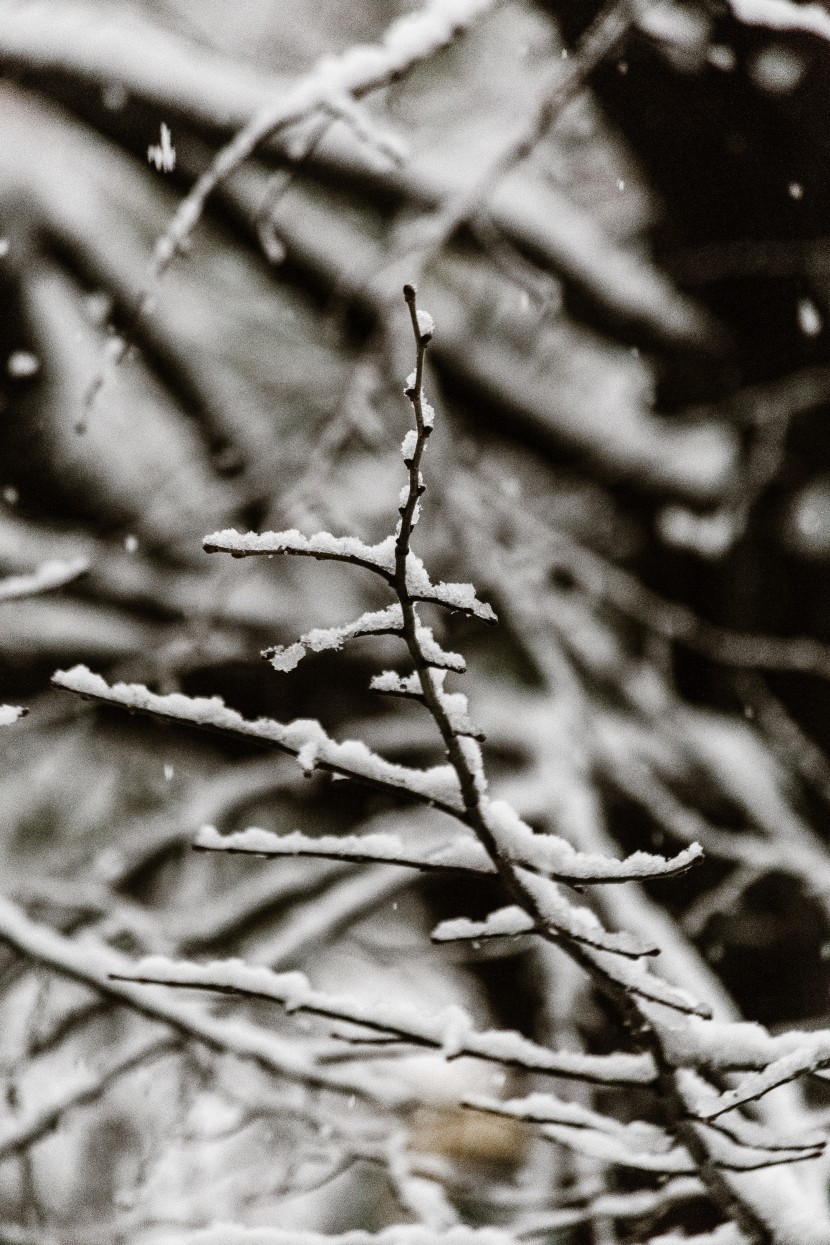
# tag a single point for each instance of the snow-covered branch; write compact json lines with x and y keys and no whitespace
{"x":451,"y":1031}
{"x":99,"y":967}
{"x":47,"y":577}
{"x":9,"y":714}
{"x":303,"y":738}
{"x":545,"y":854}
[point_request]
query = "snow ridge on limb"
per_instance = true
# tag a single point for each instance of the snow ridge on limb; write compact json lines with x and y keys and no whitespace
{"x":454,"y":704}
{"x":642,"y":1146}
{"x":783,"y":15}
{"x":397,"y":1234}
{"x":379,"y":558}
{"x":388,"y":621}
{"x":303,"y":738}
{"x":554,"y":857}
{"x":739,"y":1046}
{"x":812,"y":1056}
{"x":106,"y":971}
{"x":450,"y":1031}
{"x":322,"y":545}
{"x":47,"y":577}
{"x":561,"y":917}
{"x":9,"y":714}
{"x":466,"y":855}
{"x":461,"y":855}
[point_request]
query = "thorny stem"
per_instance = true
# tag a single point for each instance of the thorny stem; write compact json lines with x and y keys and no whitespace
{"x":643,"y":1035}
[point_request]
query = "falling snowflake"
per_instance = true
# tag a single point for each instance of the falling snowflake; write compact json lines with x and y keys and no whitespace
{"x":163,"y":153}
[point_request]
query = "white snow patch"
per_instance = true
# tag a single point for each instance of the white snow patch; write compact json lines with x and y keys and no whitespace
{"x":9,"y":714}
{"x":426,"y":324}
{"x":47,"y":577}
{"x":351,"y":758}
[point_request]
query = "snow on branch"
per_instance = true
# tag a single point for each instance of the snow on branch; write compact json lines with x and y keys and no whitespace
{"x":783,"y":15}
{"x":450,"y":1031}
{"x":561,"y":917}
{"x":82,"y":1087}
{"x":549,"y":1108}
{"x":47,"y":577}
{"x":9,"y":714}
{"x":641,"y":1139}
{"x":303,"y":738}
{"x":322,"y":545}
{"x":324,"y":639}
{"x":618,"y":1206}
{"x":740,"y":1046}
{"x":379,"y":558}
{"x":554,"y":857}
{"x":106,"y":971}
{"x":465,"y":855}
{"x":725,"y":1234}
{"x":645,"y":1147}
{"x":462,"y":855}
{"x":508,"y":922}
{"x":409,"y":41}
{"x":398,"y":1234}
{"x":635,"y":979}
{"x":811,"y":1056}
